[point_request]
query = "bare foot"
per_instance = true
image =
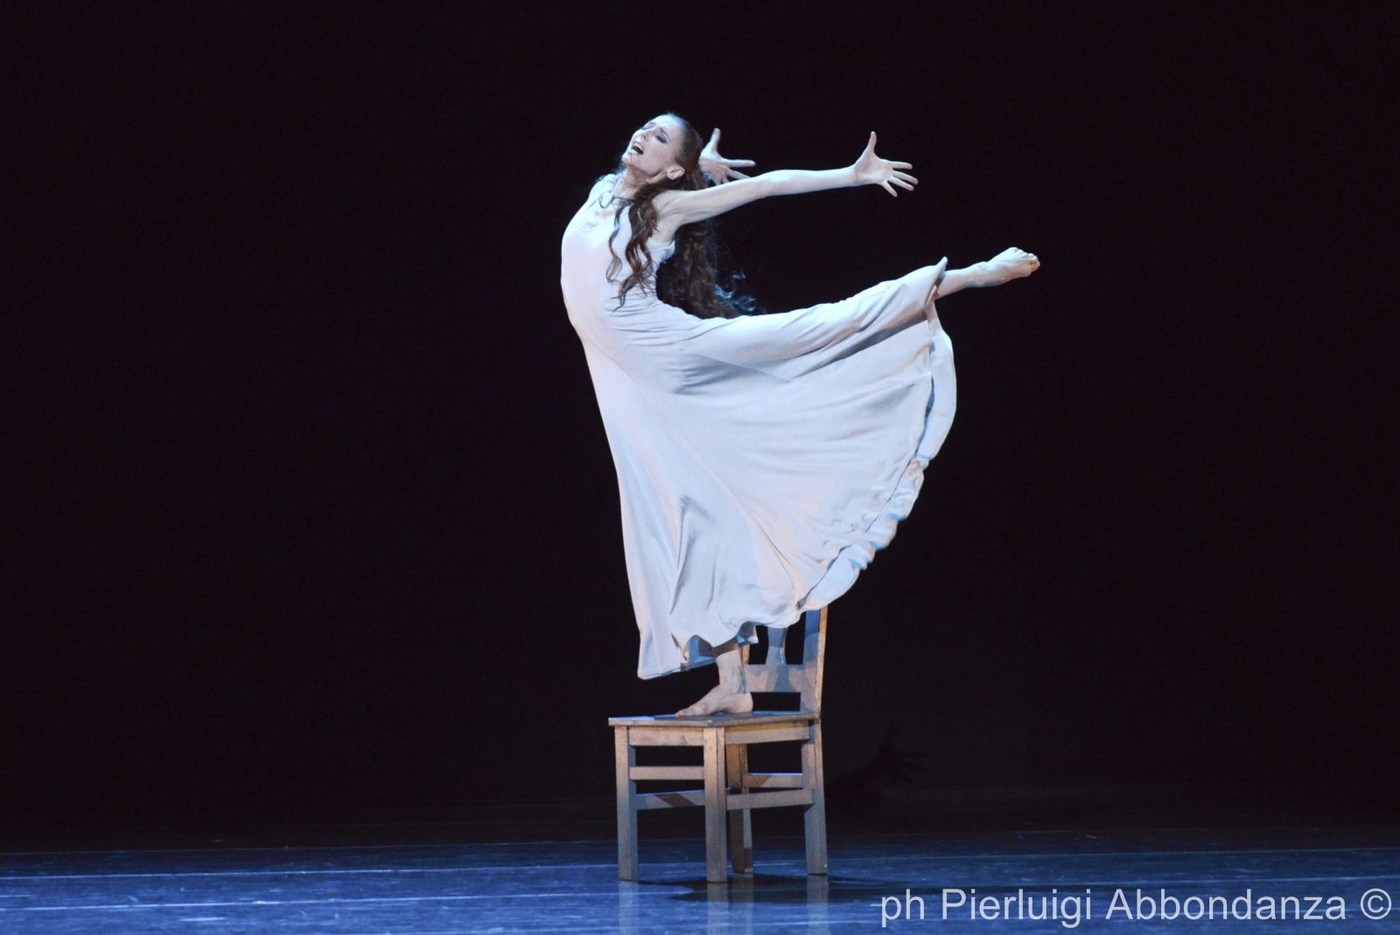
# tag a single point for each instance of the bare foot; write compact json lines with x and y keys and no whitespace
{"x":1011,"y":263}
{"x":722,"y":699}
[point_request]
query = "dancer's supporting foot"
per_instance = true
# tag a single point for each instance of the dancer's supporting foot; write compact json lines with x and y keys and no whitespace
{"x":731,"y":695}
{"x":1011,"y":263}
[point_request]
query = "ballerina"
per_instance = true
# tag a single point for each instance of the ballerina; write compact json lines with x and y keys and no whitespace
{"x":761,"y":459}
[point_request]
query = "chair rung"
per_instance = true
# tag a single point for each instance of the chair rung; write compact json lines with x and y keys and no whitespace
{"x":650,"y":800}
{"x":661,"y":737}
{"x":668,"y":772}
{"x":773,"y":780}
{"x":766,"y":678}
{"x":733,"y":737}
{"x":776,"y":799}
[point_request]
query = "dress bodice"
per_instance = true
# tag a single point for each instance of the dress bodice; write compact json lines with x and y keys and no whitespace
{"x":587,"y":246}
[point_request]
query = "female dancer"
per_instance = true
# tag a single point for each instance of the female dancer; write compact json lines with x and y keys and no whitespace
{"x":762,"y":459}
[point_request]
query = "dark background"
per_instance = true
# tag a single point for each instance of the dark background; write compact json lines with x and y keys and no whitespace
{"x":314,"y":518}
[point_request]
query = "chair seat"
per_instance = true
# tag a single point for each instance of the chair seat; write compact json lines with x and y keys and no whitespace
{"x":673,"y":722}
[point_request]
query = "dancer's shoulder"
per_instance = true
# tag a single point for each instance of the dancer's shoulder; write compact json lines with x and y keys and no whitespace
{"x":603,"y":186}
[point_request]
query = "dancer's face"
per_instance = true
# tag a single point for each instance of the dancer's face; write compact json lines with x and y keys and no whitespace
{"x":653,"y":152}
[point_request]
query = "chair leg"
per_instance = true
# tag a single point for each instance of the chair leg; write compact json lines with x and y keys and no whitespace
{"x":740,"y":827}
{"x":815,"y":816}
{"x":625,"y":756}
{"x":716,"y":800}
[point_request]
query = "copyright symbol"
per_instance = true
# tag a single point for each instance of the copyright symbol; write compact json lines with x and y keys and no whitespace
{"x":1375,"y":903}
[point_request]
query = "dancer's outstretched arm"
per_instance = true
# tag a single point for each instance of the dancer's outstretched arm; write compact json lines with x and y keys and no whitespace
{"x":677,"y":209}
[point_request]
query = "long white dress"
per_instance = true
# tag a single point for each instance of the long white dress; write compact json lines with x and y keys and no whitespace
{"x":761,"y":460}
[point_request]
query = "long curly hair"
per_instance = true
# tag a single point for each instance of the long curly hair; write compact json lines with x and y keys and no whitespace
{"x":691,"y":278}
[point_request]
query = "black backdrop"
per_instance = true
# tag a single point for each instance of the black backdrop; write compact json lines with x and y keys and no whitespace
{"x":314,"y":518}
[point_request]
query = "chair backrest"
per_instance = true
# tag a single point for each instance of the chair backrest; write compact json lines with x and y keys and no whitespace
{"x":776,"y":674}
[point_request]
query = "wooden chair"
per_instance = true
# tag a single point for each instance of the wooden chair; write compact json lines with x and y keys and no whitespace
{"x":730,"y":791}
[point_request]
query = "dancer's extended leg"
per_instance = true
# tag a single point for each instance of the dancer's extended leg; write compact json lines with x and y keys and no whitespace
{"x":1011,"y":263}
{"x":731,"y":695}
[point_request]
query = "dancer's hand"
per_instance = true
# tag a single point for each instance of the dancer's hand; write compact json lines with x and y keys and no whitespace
{"x":718,"y":168}
{"x":870,"y":169}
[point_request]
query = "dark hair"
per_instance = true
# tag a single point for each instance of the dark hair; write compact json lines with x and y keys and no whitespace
{"x":690,"y":279}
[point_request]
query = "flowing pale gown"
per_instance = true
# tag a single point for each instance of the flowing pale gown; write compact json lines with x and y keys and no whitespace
{"x":762,"y":460}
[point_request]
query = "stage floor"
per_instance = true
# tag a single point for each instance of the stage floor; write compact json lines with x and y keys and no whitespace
{"x":1083,"y":880}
